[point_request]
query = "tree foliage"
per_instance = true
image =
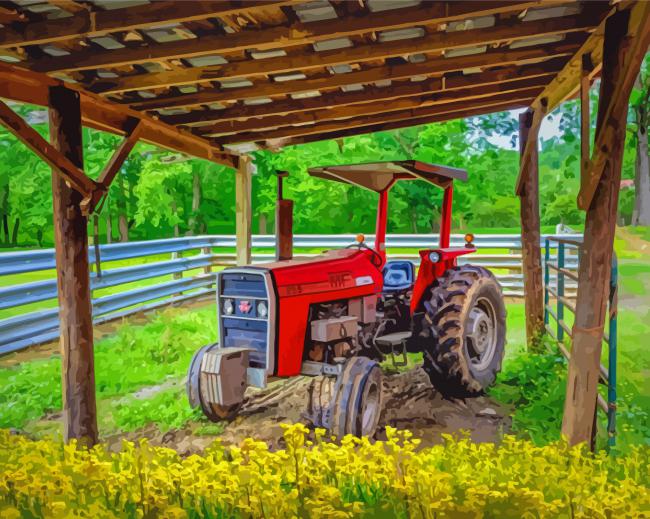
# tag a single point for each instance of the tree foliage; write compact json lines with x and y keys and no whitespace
{"x":159,"y":194}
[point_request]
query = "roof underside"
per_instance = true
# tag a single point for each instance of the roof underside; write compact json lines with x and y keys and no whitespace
{"x":237,"y":75}
{"x":379,"y":176}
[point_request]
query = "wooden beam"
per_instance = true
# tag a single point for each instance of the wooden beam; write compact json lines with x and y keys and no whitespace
{"x":411,"y":114}
{"x":98,"y":23}
{"x":530,"y":238}
{"x":281,"y":37}
{"x":585,"y":119}
{"x":73,"y":278}
{"x":8,"y":16}
{"x":69,"y":5}
{"x":430,"y":43}
{"x":637,"y":42}
{"x":30,"y":87}
{"x":372,"y":107}
{"x":120,"y":154}
{"x":620,"y":54}
{"x":243,"y":210}
{"x":372,"y":128}
{"x":48,"y":153}
{"x":566,"y":85}
{"x":441,"y":65}
{"x":239,"y":113}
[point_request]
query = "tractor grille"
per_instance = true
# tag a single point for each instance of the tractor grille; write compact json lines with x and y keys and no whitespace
{"x":242,"y":296}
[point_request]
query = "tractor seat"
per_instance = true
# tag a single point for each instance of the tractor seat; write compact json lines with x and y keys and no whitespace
{"x":398,"y":275}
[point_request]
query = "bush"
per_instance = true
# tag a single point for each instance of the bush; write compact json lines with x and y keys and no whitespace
{"x":322,"y":479}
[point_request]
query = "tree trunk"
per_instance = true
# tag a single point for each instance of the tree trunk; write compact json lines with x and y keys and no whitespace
{"x":193,"y":222}
{"x":174,"y":207}
{"x":122,"y":221}
{"x":262,"y":223}
{"x":14,"y":233}
{"x":5,"y":227}
{"x":109,"y":228}
{"x":4,"y":206}
{"x":123,"y":227}
{"x":641,"y":215}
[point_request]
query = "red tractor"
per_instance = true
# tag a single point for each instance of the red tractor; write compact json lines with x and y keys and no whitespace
{"x":339,"y":313}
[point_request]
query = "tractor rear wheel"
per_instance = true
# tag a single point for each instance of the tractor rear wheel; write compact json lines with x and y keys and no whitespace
{"x":356,"y":402}
{"x":466,"y":320}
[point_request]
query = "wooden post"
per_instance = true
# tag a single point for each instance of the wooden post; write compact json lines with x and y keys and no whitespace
{"x":585,"y":113}
{"x":530,"y":235}
{"x":283,"y":223}
{"x":243,"y":211}
{"x":75,"y":308}
{"x":600,"y":225}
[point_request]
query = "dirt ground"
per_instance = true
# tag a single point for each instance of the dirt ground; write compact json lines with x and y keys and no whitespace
{"x":409,"y":403}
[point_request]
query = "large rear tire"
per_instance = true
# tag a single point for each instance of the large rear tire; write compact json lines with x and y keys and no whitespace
{"x":465,"y":331}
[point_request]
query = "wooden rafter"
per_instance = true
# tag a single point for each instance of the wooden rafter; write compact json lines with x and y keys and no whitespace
{"x":371,"y":75}
{"x":97,"y":23}
{"x":282,"y":36}
{"x":638,"y":40}
{"x":32,"y":87}
{"x":375,"y":107}
{"x":48,"y":153}
{"x":430,"y":43}
{"x":11,"y":15}
{"x":467,"y":112}
{"x":370,"y":93}
{"x":69,"y":5}
{"x":403,"y":115}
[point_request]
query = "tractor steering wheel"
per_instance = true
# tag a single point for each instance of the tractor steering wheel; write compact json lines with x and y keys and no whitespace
{"x":375,"y":259}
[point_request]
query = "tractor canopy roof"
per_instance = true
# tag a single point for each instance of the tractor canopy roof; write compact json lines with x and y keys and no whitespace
{"x":379,"y":176}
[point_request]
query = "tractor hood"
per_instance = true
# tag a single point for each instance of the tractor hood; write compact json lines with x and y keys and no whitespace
{"x":331,"y":271}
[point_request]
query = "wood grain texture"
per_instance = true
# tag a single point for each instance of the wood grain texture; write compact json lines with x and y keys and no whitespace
{"x":393,"y":72}
{"x":73,"y":279}
{"x":243,"y":209}
{"x":597,"y":249}
{"x":531,"y":236}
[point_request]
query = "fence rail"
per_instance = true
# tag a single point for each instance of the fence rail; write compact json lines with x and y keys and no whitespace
{"x":173,"y":278}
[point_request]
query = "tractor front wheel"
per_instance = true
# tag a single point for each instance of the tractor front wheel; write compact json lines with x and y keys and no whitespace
{"x":357,"y":398}
{"x":465,"y":331}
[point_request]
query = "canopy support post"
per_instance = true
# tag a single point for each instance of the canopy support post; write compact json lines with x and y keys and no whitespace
{"x":75,"y":306}
{"x":623,"y":52}
{"x":243,"y":210}
{"x":283,"y":223}
{"x":530,"y":232}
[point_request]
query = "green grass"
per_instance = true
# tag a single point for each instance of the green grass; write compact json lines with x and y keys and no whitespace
{"x":156,"y":355}
{"x":133,"y":358}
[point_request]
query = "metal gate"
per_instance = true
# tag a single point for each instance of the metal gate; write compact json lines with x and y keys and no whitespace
{"x":564,"y":273}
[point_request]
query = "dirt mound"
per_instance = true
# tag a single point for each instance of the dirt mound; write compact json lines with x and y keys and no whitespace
{"x":409,"y":403}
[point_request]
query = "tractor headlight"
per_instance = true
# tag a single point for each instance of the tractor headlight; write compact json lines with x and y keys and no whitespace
{"x":228,"y":307}
{"x":262,"y":309}
{"x":434,"y":257}
{"x":469,"y":239}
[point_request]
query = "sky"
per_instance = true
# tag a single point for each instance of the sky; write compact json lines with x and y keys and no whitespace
{"x":550,"y":128}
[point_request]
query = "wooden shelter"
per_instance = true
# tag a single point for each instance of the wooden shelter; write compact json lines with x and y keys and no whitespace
{"x":217,"y":79}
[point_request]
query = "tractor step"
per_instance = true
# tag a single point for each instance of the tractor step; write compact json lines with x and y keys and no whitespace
{"x":396,"y":341}
{"x":393,"y":339}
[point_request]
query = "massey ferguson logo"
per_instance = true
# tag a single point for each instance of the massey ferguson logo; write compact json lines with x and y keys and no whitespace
{"x":244,"y":307}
